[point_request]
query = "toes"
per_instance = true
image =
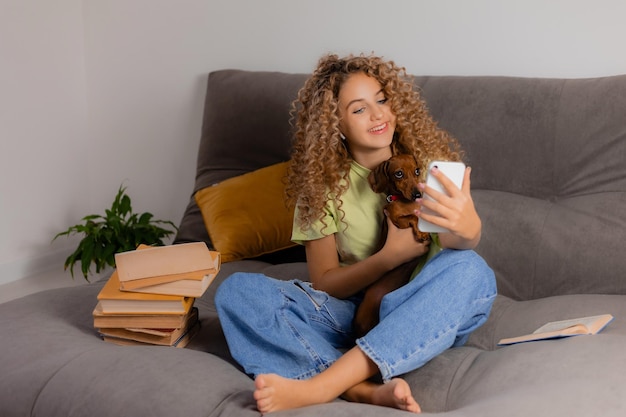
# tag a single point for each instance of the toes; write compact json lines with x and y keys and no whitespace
{"x":259,"y":382}
{"x":264,"y":405}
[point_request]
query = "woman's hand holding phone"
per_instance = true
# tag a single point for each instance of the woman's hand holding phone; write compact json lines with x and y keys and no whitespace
{"x":447,"y":205}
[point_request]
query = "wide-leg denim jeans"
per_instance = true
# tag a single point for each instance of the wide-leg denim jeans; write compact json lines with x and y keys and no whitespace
{"x":291,"y":329}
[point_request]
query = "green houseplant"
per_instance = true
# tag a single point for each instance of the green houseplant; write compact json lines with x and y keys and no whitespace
{"x":119,"y":230}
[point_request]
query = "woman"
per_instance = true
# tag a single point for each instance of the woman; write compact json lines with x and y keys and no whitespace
{"x":352,"y":114}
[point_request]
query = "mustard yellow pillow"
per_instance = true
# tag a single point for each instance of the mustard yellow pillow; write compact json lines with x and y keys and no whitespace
{"x":246,"y":216}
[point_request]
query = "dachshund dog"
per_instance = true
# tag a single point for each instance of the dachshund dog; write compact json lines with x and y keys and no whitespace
{"x":398,"y":178}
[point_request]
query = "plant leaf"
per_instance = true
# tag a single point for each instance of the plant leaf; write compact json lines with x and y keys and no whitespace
{"x":118,"y":230}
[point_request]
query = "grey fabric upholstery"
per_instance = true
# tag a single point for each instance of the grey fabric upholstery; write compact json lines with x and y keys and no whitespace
{"x":549,"y":182}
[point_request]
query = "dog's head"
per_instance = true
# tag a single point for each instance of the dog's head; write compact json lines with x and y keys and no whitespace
{"x":399,"y":175}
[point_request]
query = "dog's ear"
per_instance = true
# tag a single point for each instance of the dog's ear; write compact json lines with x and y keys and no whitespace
{"x":419,"y":166}
{"x":379,"y":178}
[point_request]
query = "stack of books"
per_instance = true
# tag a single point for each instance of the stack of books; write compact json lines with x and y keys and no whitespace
{"x":149,"y":297}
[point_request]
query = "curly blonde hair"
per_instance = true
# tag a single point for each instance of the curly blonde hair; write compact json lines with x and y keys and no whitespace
{"x":320,"y":161}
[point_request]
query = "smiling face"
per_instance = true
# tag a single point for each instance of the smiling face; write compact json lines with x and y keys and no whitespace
{"x":366,"y":119}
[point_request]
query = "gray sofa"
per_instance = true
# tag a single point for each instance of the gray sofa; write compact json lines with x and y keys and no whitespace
{"x":549,"y":181}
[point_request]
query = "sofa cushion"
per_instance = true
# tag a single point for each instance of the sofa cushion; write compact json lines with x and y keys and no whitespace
{"x":246,"y":216}
{"x":54,"y":363}
{"x":245,"y":127}
{"x":246,"y":123}
{"x":548,"y":177}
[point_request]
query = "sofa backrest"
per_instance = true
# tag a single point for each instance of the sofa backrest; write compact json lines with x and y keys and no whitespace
{"x":549,"y":177}
{"x":245,"y":127}
{"x":548,"y":159}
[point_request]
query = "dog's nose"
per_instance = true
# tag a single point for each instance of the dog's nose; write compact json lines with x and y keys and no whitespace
{"x":416,"y":194}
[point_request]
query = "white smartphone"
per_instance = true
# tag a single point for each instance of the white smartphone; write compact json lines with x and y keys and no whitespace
{"x":455,"y":171}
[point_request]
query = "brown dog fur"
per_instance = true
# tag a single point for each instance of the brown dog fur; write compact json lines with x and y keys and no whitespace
{"x":397,"y":177}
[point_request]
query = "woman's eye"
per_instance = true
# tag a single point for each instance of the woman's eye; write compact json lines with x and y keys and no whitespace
{"x":382,"y":101}
{"x":359,"y":111}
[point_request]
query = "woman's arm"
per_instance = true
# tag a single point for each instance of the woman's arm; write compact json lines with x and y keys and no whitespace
{"x":456,"y":212}
{"x":327,"y":275}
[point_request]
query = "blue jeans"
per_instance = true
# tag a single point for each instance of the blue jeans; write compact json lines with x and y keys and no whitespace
{"x":291,"y":329}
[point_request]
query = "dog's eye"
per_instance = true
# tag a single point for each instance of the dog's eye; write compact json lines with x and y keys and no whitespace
{"x":417,"y":172}
{"x":398,"y":174}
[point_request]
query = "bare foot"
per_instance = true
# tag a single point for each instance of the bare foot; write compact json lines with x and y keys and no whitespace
{"x":274,"y":393}
{"x":396,"y":394}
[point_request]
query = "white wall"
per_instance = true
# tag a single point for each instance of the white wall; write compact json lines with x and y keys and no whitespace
{"x":95,"y":93}
{"x":44,"y":181}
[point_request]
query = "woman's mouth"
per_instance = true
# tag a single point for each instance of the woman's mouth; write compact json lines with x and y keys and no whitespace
{"x":378,"y":129}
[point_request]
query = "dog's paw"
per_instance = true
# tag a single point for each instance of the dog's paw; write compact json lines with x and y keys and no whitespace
{"x":422,"y":237}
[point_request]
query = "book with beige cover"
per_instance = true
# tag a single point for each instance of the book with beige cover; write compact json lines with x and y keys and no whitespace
{"x":151,"y":321}
{"x":114,"y":301}
{"x":180,"y":343}
{"x":564,"y":328}
{"x":153,"y":336}
{"x":192,"y":266}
